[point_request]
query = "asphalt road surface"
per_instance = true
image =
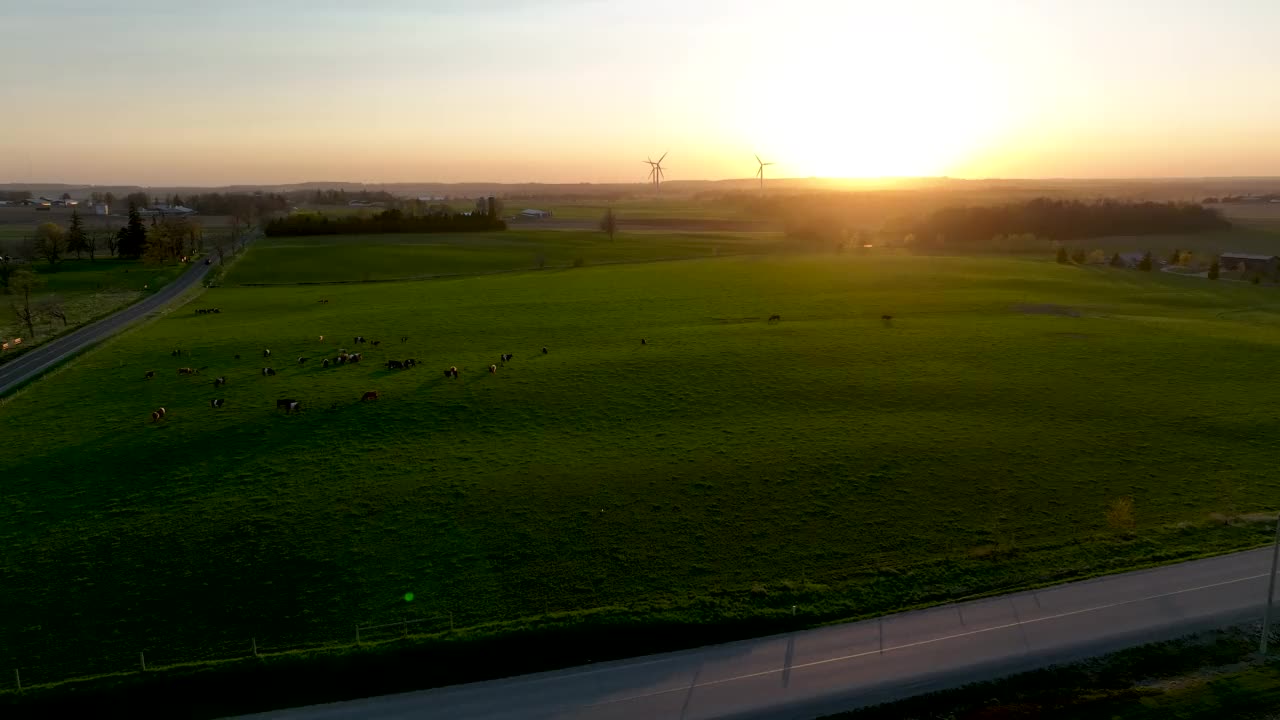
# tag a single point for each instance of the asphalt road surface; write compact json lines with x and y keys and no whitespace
{"x":816,"y":672}
{"x":31,"y":364}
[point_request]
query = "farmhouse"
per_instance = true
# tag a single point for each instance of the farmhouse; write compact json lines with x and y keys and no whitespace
{"x":535,"y":214}
{"x":1263,"y":264}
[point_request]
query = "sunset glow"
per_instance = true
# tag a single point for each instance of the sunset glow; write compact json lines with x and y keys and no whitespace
{"x":579,"y":90}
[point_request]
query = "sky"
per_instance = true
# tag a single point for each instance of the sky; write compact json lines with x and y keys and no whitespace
{"x":282,"y":91}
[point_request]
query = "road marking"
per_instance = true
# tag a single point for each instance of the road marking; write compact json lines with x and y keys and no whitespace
{"x":921,"y":643}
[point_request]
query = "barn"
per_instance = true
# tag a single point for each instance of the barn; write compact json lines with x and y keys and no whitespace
{"x":1251,"y":264}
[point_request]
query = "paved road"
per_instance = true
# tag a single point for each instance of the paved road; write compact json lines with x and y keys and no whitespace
{"x":806,"y":674}
{"x":44,"y":357}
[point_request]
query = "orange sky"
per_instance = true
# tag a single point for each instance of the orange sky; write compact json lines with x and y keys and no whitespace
{"x":582,"y":90}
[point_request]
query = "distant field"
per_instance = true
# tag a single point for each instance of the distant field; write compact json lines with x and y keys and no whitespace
{"x":345,"y":258}
{"x":1266,"y":215}
{"x":1239,"y":239}
{"x":725,"y":471}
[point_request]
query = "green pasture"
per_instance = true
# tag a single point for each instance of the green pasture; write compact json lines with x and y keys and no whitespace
{"x":348,"y":258}
{"x":729,"y":468}
{"x":87,"y":290}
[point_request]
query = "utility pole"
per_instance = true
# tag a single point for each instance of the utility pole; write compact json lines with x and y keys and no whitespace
{"x":1271,"y":593}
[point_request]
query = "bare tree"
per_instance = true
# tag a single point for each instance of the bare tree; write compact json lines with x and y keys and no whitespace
{"x":52,"y":308}
{"x":22,"y":283}
{"x":609,"y":223}
{"x":91,"y":241}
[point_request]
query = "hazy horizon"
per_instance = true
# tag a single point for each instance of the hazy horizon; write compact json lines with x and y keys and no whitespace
{"x":566,"y":91}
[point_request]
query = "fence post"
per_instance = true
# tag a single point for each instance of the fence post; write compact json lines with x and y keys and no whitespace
{"x":255,"y":647}
{"x":17,"y":677}
{"x":142,"y":658}
{"x":357,"y":634}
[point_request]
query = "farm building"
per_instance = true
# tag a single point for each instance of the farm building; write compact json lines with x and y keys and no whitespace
{"x":535,"y":214}
{"x":1262,"y":264}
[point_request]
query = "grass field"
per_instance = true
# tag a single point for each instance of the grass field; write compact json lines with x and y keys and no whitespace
{"x":87,"y":290}
{"x":728,"y":469}
{"x":349,"y":258}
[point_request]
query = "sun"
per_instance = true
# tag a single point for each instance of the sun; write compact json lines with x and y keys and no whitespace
{"x":872,"y":109}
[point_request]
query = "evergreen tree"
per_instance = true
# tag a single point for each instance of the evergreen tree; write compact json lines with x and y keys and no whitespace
{"x":133,"y":238}
{"x":1214,"y":270}
{"x":1145,"y":263}
{"x":1062,"y":256}
{"x":77,"y":239}
{"x":1175,"y":257}
{"x":1116,"y":261}
{"x":1078,"y":257}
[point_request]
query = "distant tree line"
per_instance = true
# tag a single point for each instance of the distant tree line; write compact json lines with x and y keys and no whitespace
{"x":389,"y":221}
{"x":341,"y":196}
{"x":1228,"y":199}
{"x":1065,"y":220}
{"x":15,"y":195}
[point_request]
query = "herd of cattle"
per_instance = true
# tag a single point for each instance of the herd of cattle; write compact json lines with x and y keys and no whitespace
{"x":292,"y":406}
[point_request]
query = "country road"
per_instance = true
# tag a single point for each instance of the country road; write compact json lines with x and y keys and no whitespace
{"x":816,"y":672}
{"x":32,"y":363}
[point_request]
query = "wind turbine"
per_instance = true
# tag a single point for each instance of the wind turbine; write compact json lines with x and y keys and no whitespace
{"x":655,"y":171}
{"x":760,"y":172}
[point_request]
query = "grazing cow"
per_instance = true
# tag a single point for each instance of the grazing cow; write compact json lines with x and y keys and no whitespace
{"x":321,"y":338}
{"x":643,"y":341}
{"x":285,"y":403}
{"x":371,"y":395}
{"x":493,"y":369}
{"x":325,"y":363}
{"x":175,"y":353}
{"x":544,"y":350}
{"x":356,"y":357}
{"x":302,"y":361}
{"x":376,"y":343}
{"x":266,"y":353}
{"x":237,"y":356}
{"x":395,"y":365}
{"x":411,"y":362}
{"x":219,"y":381}
{"x":322,"y":301}
{"x":775,"y":318}
{"x":217,"y":310}
{"x":359,"y":339}
{"x":268,"y":371}
{"x":887,"y":319}
{"x":448,"y":372}
{"x":158,"y":415}
{"x":294,"y":407}
{"x":188,"y":371}
{"x":216,"y":402}
{"x":404,"y":338}
{"x":453,"y":371}
{"x":150,"y":374}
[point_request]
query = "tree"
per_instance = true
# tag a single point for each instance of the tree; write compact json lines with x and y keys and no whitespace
{"x":52,"y":307}
{"x":1214,"y":270}
{"x":23,"y":283}
{"x":1145,"y":263}
{"x":609,"y":223}
{"x":77,"y":238}
{"x":7,"y":269}
{"x":137,"y":199}
{"x":1062,"y":256}
{"x":108,"y":197}
{"x":132,"y":240}
{"x":1116,"y":261}
{"x":91,"y":242}
{"x":66,"y":196}
{"x":113,"y":241}
{"x":1175,"y":257}
{"x":1120,"y":515}
{"x":1097,"y":257}
{"x":51,"y":243}
{"x":1078,"y":257}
